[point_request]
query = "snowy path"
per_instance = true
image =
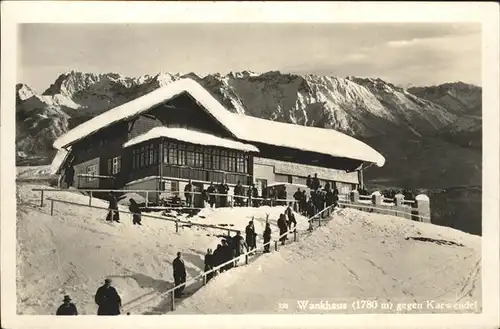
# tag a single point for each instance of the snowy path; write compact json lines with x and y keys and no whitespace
{"x":74,"y":250}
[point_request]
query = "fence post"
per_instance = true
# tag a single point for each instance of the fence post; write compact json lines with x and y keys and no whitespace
{"x":41,"y":201}
{"x":147,"y":198}
{"x":398,"y":201}
{"x":90,"y":199}
{"x":276,"y":245}
{"x":377,"y":202}
{"x":51,"y":207}
{"x":423,"y":207}
{"x":319,"y":220}
{"x":204,"y":279}
{"x":177,"y":226}
{"x":295,"y":235}
{"x":354,"y":196}
{"x":246,"y":259}
{"x":172,"y":299}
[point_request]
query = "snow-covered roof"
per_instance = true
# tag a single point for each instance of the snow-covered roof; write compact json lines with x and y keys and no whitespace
{"x":58,"y":161}
{"x":191,"y":136}
{"x":143,"y":104}
{"x":319,"y":140}
{"x":243,"y":127}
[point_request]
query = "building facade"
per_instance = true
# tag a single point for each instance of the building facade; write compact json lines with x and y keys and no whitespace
{"x":180,"y":132}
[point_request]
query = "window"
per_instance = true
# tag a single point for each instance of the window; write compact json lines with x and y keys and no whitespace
{"x":216,"y":160}
{"x":207,"y":161}
{"x":232,"y":161}
{"x":114,"y":165}
{"x":165,"y":154}
{"x":151,"y":154}
{"x":91,"y":171}
{"x":134,"y":158}
{"x":172,"y":153}
{"x":224,"y":161}
{"x":182,"y":155}
{"x":198,"y":160}
{"x":190,"y":158}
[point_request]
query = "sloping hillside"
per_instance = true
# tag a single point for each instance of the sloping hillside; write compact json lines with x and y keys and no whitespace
{"x":74,"y":250}
{"x":357,"y":256}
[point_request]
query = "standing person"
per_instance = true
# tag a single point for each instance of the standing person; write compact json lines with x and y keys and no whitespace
{"x":211,"y":195}
{"x":309,"y":181}
{"x":291,"y":217}
{"x":250,"y":235}
{"x":311,"y":209}
{"x":329,"y":198}
{"x":238,"y":192}
{"x":327,"y":186}
{"x":226,"y":255}
{"x":297,"y":196}
{"x":218,"y":257}
{"x":188,"y":194}
{"x":255,"y":195}
{"x":249,"y":195}
{"x":283,"y":228}
{"x":136,"y":212}
{"x":222,"y":189}
{"x":303,"y":203}
{"x":108,"y":299}
{"x":240,"y":247}
{"x":209,"y":264}
{"x":315,"y":182}
{"x":67,"y":308}
{"x":267,"y":237}
{"x":265,"y":196}
{"x":113,"y":214}
{"x":69,"y":175}
{"x":179,"y":274}
{"x":335,"y":198}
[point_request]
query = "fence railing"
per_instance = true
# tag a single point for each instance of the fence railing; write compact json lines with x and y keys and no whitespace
{"x":231,"y":197}
{"x":246,"y":255}
{"x":396,"y":212}
{"x":176,"y":221}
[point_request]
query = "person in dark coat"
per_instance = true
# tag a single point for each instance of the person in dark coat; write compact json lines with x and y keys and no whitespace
{"x":209,"y":264}
{"x":265,"y":196}
{"x":335,"y":198}
{"x":255,"y":195}
{"x":188,"y":189}
{"x":179,"y":274}
{"x":315,"y":182}
{"x":67,"y":308}
{"x":218,"y":257}
{"x":108,"y":299}
{"x":239,"y":247}
{"x":303,"y":203}
{"x":291,"y":217}
{"x":283,"y":228}
{"x":309,"y":181}
{"x":250,"y":236}
{"x":227,"y":255}
{"x":211,"y":196}
{"x":238,"y":192}
{"x":113,"y":214}
{"x":327,"y":186}
{"x":69,"y":175}
{"x":329,"y":198}
{"x":311,"y":209}
{"x":136,"y":211}
{"x":297,"y":196}
{"x":267,"y":237}
{"x":223,"y":189}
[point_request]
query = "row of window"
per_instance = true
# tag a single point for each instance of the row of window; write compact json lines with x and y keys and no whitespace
{"x":192,"y":156}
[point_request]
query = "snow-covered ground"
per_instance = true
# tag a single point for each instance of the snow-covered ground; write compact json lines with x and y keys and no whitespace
{"x":74,"y":250}
{"x":357,"y":256}
{"x":33,"y":173}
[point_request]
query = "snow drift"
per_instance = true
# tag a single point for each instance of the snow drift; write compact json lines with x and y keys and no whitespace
{"x":356,"y":256}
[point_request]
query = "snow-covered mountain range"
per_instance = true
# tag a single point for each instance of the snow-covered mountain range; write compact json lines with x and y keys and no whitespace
{"x":370,"y":109}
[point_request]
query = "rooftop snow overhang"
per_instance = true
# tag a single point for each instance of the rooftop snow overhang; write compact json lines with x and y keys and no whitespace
{"x":191,"y":136}
{"x":145,"y":103}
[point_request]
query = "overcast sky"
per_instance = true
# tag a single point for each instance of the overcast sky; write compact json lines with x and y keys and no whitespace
{"x":416,"y":54}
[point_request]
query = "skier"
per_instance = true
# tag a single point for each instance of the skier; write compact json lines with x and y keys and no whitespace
{"x":267,"y":237}
{"x":136,"y":212}
{"x":283,"y":228}
{"x":108,"y":299}
{"x":67,"y":308}
{"x":211,"y":196}
{"x":209,"y":264}
{"x":179,"y":274}
{"x":188,"y":194}
{"x":291,"y":217}
{"x":250,"y":235}
{"x":113,"y":214}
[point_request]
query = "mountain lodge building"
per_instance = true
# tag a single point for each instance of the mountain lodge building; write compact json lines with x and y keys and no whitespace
{"x":180,"y":132}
